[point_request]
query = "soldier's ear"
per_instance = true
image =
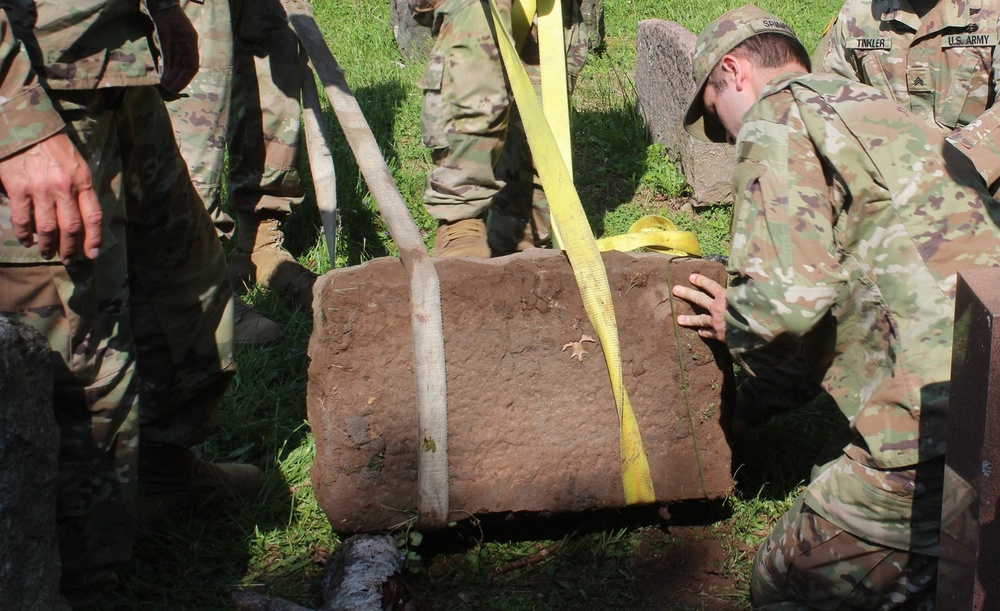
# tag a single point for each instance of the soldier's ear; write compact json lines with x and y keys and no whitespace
{"x":736,"y":70}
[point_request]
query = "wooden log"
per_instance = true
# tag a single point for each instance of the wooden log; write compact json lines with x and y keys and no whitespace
{"x":531,"y":428}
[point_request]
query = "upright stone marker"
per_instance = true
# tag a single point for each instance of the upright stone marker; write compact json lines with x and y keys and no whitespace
{"x":664,"y":86}
{"x":969,"y":573}
{"x":29,"y":451}
{"x":413,"y":40}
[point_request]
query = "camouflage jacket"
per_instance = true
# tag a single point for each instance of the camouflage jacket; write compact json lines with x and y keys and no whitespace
{"x":851,"y":221}
{"x":52,"y":45}
{"x":941,"y":67}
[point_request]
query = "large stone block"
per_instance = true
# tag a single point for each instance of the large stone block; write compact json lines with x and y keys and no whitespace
{"x":664,"y":87}
{"x":29,"y":450}
{"x":530,"y":427}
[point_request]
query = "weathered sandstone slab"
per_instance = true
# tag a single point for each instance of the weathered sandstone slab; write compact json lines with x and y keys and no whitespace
{"x":530,"y":427}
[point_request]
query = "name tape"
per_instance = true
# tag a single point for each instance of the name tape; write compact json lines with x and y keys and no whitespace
{"x":969,"y":40}
{"x":869,"y":44}
{"x":770,"y":25}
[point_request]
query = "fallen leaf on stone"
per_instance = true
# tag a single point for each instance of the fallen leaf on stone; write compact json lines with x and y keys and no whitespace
{"x":577,"y":347}
{"x":578,"y":350}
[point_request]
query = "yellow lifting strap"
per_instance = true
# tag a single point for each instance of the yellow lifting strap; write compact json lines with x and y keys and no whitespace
{"x":653,"y":233}
{"x":574,"y":234}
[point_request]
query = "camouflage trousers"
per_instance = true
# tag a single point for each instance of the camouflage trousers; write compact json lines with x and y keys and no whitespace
{"x":141,"y":337}
{"x":478,"y":146}
{"x":246,"y":97}
{"x":809,"y":563}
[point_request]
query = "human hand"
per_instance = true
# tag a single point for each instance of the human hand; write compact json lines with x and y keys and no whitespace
{"x":180,"y":48}
{"x":52,"y":194}
{"x":711,"y":297}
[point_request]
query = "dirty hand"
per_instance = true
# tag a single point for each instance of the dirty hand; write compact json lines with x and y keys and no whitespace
{"x":51,"y":193}
{"x":180,"y":48}
{"x":711,"y":297}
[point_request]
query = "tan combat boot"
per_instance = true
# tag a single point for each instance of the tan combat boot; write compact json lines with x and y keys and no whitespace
{"x":260,"y":258}
{"x":173,"y":481}
{"x":537,"y":233}
{"x":464,"y":238}
{"x":251,"y":329}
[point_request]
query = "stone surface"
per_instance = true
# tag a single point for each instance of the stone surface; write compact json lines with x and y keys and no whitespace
{"x":664,"y":86}
{"x":29,"y":450}
{"x":530,"y":428}
{"x":413,"y":40}
{"x":970,"y":542}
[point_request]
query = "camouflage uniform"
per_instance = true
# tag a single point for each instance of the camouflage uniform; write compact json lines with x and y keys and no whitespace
{"x":941,"y":66}
{"x":480,"y":153}
{"x":148,"y":320}
{"x":200,"y":115}
{"x":247,"y":92}
{"x":851,"y":221}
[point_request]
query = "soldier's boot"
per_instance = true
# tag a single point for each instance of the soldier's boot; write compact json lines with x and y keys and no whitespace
{"x":260,"y":258}
{"x":174,"y":481}
{"x":251,"y":329}
{"x":464,"y":238}
{"x":538,"y":232}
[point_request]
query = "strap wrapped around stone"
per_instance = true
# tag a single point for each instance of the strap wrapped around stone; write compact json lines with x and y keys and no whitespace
{"x":425,"y":290}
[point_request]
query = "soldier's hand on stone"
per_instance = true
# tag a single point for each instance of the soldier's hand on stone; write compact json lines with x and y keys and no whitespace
{"x":52,"y":195}
{"x":180,"y":48}
{"x":711,"y":297}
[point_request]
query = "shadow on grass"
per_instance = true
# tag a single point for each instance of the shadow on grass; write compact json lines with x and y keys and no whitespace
{"x":609,"y":158}
{"x":362,"y":232}
{"x":771,"y":459}
{"x":194,"y":560}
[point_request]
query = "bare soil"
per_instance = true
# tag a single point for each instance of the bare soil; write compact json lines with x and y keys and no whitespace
{"x":686,"y":569}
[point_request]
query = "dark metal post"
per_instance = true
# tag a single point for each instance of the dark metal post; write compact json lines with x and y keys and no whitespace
{"x":969,"y":574}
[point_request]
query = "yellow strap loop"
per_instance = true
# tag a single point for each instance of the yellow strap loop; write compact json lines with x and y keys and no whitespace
{"x":578,"y":241}
{"x":653,"y":233}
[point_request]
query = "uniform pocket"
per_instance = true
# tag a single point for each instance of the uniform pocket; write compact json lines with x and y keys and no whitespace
{"x":433,"y":74}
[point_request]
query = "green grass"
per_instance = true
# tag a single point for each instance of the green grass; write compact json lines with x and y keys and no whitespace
{"x":276,"y":544}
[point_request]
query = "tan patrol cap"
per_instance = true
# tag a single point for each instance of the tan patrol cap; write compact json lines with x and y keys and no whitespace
{"x":718,"y":38}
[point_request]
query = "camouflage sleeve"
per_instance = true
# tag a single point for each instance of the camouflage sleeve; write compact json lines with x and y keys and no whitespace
{"x":787,"y":271}
{"x":980,"y":139}
{"x":833,"y":58}
{"x":26,"y":112}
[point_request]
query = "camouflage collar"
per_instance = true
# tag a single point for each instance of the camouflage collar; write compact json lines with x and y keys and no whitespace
{"x":952,"y":14}
{"x":780,"y":82}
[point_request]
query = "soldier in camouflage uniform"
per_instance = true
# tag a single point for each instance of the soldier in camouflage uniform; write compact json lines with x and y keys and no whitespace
{"x":246,"y":96}
{"x":937,"y":59}
{"x":852,"y":218}
{"x":106,"y":249}
{"x":478,"y":146}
